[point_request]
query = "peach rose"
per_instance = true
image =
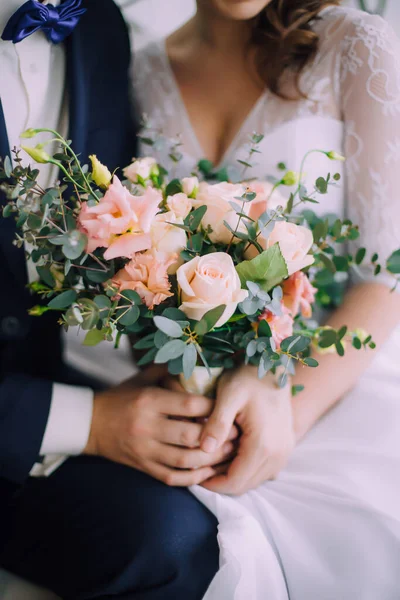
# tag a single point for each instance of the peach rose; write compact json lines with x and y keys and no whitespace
{"x":167,"y":238}
{"x":207,"y":282}
{"x":281,"y":326}
{"x":120,"y":222}
{"x":294,"y":242}
{"x":180,"y":204}
{"x":299,"y":294}
{"x":142,"y":168}
{"x":263,"y":201}
{"x":147,"y":274}
{"x":217,"y":197}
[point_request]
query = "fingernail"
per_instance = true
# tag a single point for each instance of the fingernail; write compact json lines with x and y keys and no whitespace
{"x":209,"y":445}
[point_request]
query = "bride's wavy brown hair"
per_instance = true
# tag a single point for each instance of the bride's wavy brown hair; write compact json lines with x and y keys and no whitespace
{"x":285,"y":42}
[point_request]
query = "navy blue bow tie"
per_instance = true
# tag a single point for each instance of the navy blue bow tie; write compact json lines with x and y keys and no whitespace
{"x":56,"y":22}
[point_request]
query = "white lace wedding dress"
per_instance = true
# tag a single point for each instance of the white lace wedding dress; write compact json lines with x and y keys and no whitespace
{"x":329,"y":527}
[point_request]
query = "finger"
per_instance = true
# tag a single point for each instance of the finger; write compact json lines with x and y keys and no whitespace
{"x":173,"y":384}
{"x":182,"y":404}
{"x":242,"y":471}
{"x":184,"y":458}
{"x":179,"y":433}
{"x":219,"y":425}
{"x":177,"y":478}
{"x":185,"y":433}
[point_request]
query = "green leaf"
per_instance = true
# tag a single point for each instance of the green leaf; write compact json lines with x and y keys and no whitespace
{"x":131,"y":295}
{"x":327,"y":338}
{"x":46,"y":276}
{"x":393,"y":263}
{"x":94,"y":337}
{"x":189,"y":360}
{"x":268,"y":269}
{"x":311,"y":362}
{"x":361,"y":252}
{"x":205,"y":166}
{"x":130,"y":316}
{"x":209,"y":320}
{"x":328,"y":263}
{"x":342,"y":332}
{"x":169,"y":327}
{"x":174,"y":313}
{"x":175,"y":366}
{"x":7,"y":210}
{"x":339,"y":348}
{"x":145,"y":343}
{"x":63,"y":300}
{"x":103,"y":303}
{"x":147,"y":358}
{"x":296,"y":389}
{"x":357,"y":343}
{"x":174,"y":187}
{"x":264,"y":330}
{"x":170,"y":351}
{"x":321,"y":185}
{"x":194,"y":218}
{"x":7,"y":166}
{"x":295,"y":344}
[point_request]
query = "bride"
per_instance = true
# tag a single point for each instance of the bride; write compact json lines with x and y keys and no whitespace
{"x":310,"y":507}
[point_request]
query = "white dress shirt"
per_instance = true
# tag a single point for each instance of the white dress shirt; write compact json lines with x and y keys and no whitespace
{"x":32,"y":92}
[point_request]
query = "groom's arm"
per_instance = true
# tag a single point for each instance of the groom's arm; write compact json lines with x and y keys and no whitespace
{"x":24,"y":410}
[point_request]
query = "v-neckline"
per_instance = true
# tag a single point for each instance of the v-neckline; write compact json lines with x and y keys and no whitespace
{"x":185,"y":113}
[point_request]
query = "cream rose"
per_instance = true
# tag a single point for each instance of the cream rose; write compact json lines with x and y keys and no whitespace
{"x":143,"y":168}
{"x":190,"y":186}
{"x":217,"y":197}
{"x":294,"y":242}
{"x":167,"y":238}
{"x":207,"y":282}
{"x":180,"y":204}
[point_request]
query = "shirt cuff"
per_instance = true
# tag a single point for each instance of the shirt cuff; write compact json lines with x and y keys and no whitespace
{"x":70,"y":418}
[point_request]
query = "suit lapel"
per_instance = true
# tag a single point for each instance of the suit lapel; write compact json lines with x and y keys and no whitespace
{"x":15,"y":257}
{"x":77,"y":82}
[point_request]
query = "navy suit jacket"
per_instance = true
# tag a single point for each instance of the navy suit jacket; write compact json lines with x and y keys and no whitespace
{"x":102,"y":123}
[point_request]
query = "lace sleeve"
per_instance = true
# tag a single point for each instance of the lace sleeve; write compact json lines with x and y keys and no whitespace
{"x":370,"y":95}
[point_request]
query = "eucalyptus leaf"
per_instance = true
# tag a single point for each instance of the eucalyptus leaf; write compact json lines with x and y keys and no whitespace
{"x":94,"y":337}
{"x":268,"y":269}
{"x":63,"y":300}
{"x":169,"y":327}
{"x":189,"y":360}
{"x":170,"y":351}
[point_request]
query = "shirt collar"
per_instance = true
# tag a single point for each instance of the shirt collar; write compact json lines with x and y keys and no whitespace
{"x":9,"y":7}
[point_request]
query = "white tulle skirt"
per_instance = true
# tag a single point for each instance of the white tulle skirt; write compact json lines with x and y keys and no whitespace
{"x":329,"y":527}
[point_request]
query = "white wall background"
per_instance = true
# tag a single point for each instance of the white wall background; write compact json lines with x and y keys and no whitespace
{"x":157,"y":18}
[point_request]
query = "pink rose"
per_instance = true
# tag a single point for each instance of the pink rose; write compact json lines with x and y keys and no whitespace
{"x":141,"y":169}
{"x":281,"y":326}
{"x":120,"y":222}
{"x":264,"y":200}
{"x":180,"y":204}
{"x":217,"y":197}
{"x":294,"y":241}
{"x":168,"y":238}
{"x":147,"y":274}
{"x":299,"y":294}
{"x":207,"y":282}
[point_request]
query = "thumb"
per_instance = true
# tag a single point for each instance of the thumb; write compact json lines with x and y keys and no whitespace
{"x":218,"y":427}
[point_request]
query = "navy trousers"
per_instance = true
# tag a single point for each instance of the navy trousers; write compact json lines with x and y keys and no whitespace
{"x":96,"y":529}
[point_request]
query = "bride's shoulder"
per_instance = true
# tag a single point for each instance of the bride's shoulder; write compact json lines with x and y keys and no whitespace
{"x":343,"y":27}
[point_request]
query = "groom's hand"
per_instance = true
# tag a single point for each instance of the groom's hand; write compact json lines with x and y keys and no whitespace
{"x":140,"y":425}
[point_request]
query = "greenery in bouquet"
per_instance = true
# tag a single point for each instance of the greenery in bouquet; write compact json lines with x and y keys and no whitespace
{"x":197,"y":272}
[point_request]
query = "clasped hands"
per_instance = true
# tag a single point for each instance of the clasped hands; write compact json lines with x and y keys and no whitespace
{"x":228,"y":445}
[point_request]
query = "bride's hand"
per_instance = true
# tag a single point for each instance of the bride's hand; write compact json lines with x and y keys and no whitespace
{"x":264,"y":414}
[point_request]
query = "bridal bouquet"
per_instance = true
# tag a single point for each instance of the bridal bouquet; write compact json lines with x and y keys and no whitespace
{"x":212,"y":273}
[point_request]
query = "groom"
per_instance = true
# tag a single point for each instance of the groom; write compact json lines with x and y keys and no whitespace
{"x":104,"y":524}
